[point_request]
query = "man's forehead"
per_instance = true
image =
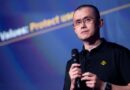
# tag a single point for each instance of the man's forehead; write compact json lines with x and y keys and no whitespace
{"x":83,"y":12}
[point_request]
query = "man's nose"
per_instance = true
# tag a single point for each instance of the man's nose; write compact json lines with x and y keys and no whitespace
{"x":83,"y":24}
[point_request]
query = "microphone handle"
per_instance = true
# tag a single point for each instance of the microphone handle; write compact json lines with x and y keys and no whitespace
{"x":75,"y":57}
{"x":78,"y":83}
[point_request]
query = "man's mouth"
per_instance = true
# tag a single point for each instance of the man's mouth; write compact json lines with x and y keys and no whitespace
{"x":83,"y":32}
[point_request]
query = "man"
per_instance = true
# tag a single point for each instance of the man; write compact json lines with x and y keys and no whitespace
{"x":102,"y":64}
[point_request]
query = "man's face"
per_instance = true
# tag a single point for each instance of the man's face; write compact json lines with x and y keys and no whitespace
{"x":85,"y":24}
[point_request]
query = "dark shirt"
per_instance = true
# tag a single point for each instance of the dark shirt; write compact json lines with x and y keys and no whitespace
{"x":109,"y":61}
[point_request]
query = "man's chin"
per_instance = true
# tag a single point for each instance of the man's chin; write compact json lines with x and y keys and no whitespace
{"x":84,"y":39}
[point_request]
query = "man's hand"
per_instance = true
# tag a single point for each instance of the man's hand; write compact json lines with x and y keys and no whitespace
{"x":92,"y":81}
{"x":74,"y":73}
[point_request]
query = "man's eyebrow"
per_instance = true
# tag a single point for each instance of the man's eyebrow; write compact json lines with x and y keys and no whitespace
{"x":87,"y":17}
{"x":78,"y":20}
{"x":84,"y":18}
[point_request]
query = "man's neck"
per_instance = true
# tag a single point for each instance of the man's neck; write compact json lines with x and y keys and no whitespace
{"x":91,"y":45}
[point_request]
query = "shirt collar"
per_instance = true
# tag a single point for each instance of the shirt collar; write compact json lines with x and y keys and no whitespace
{"x":103,"y":41}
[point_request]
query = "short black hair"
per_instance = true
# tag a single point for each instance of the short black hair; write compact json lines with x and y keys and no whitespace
{"x":91,"y":6}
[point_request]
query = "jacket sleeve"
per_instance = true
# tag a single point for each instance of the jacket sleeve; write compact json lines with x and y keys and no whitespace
{"x":67,"y":78}
{"x":125,"y":65}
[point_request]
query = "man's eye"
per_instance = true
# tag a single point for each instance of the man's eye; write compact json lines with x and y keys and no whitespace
{"x":88,"y":19}
{"x":78,"y":22}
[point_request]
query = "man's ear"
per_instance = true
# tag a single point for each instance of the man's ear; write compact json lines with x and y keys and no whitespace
{"x":101,"y":23}
{"x":73,"y":27}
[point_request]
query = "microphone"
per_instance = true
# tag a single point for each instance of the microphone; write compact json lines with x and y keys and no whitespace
{"x":75,"y":57}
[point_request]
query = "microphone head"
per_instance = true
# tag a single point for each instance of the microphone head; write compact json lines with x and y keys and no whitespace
{"x":74,"y":52}
{"x":75,"y":55}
